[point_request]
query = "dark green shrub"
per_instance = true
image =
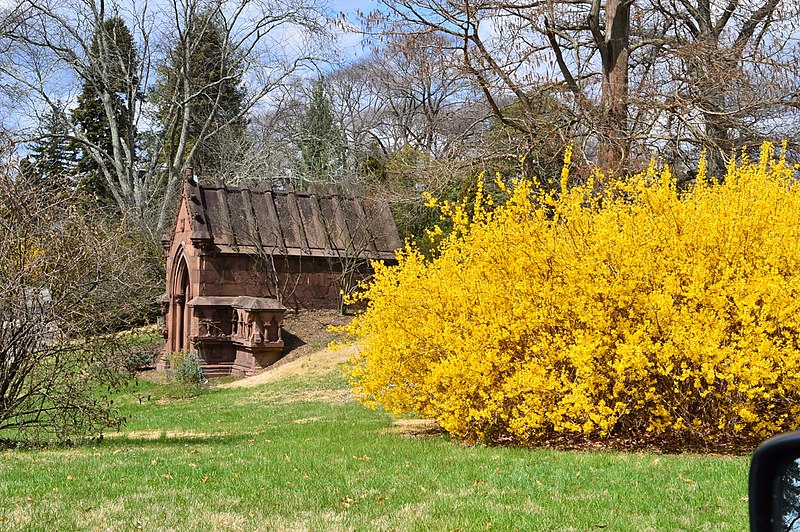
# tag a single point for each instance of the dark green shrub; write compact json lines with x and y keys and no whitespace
{"x":188,"y":370}
{"x":138,"y":358}
{"x":185,"y":368}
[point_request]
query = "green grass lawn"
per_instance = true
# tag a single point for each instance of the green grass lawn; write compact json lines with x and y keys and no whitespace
{"x":298,"y":455}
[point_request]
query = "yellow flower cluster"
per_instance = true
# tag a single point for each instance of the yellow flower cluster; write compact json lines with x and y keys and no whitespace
{"x":621,"y":308}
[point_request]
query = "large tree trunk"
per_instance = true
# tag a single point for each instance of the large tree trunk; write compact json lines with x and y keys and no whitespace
{"x":718,"y":143}
{"x":614,"y":141}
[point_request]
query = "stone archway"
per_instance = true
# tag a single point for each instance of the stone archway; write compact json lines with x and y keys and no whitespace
{"x":180,"y":320}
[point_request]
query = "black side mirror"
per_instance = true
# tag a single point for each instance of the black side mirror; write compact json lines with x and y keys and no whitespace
{"x":774,"y":489}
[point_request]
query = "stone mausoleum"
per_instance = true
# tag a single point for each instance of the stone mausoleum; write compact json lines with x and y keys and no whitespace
{"x":238,"y":257}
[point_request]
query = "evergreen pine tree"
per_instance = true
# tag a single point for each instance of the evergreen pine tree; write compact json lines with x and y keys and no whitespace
{"x":51,"y":157}
{"x":114,"y":68}
{"x":321,"y":142}
{"x":215,"y":93}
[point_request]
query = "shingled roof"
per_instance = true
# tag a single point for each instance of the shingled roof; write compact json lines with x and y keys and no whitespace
{"x":238,"y":219}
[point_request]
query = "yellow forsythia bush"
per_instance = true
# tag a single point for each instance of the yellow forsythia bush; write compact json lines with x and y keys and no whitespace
{"x":636,"y":312}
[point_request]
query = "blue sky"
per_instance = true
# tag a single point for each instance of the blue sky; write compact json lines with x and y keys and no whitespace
{"x":351,"y":6}
{"x":350,"y":45}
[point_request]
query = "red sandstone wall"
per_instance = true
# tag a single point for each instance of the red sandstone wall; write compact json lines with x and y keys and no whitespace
{"x":304,"y":282}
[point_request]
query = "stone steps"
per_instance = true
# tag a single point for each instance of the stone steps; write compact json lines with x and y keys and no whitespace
{"x":217,"y":370}
{"x":224,"y":369}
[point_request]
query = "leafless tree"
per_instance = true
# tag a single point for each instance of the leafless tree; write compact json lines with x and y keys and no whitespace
{"x":726,"y":75}
{"x":412,"y":121}
{"x":504,"y":47}
{"x":67,"y":283}
{"x":627,"y":75}
{"x":424,"y":97}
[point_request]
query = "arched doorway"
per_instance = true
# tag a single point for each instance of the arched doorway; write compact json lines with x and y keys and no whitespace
{"x":181,"y":295}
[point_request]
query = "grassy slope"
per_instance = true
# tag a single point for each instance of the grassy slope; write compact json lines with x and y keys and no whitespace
{"x":293,"y":455}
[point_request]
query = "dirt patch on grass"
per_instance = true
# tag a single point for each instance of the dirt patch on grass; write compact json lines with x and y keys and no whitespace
{"x":306,"y":420}
{"x":415,"y":428}
{"x":226,"y":521}
{"x":151,"y":375}
{"x":159,"y":434}
{"x":324,"y":396}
